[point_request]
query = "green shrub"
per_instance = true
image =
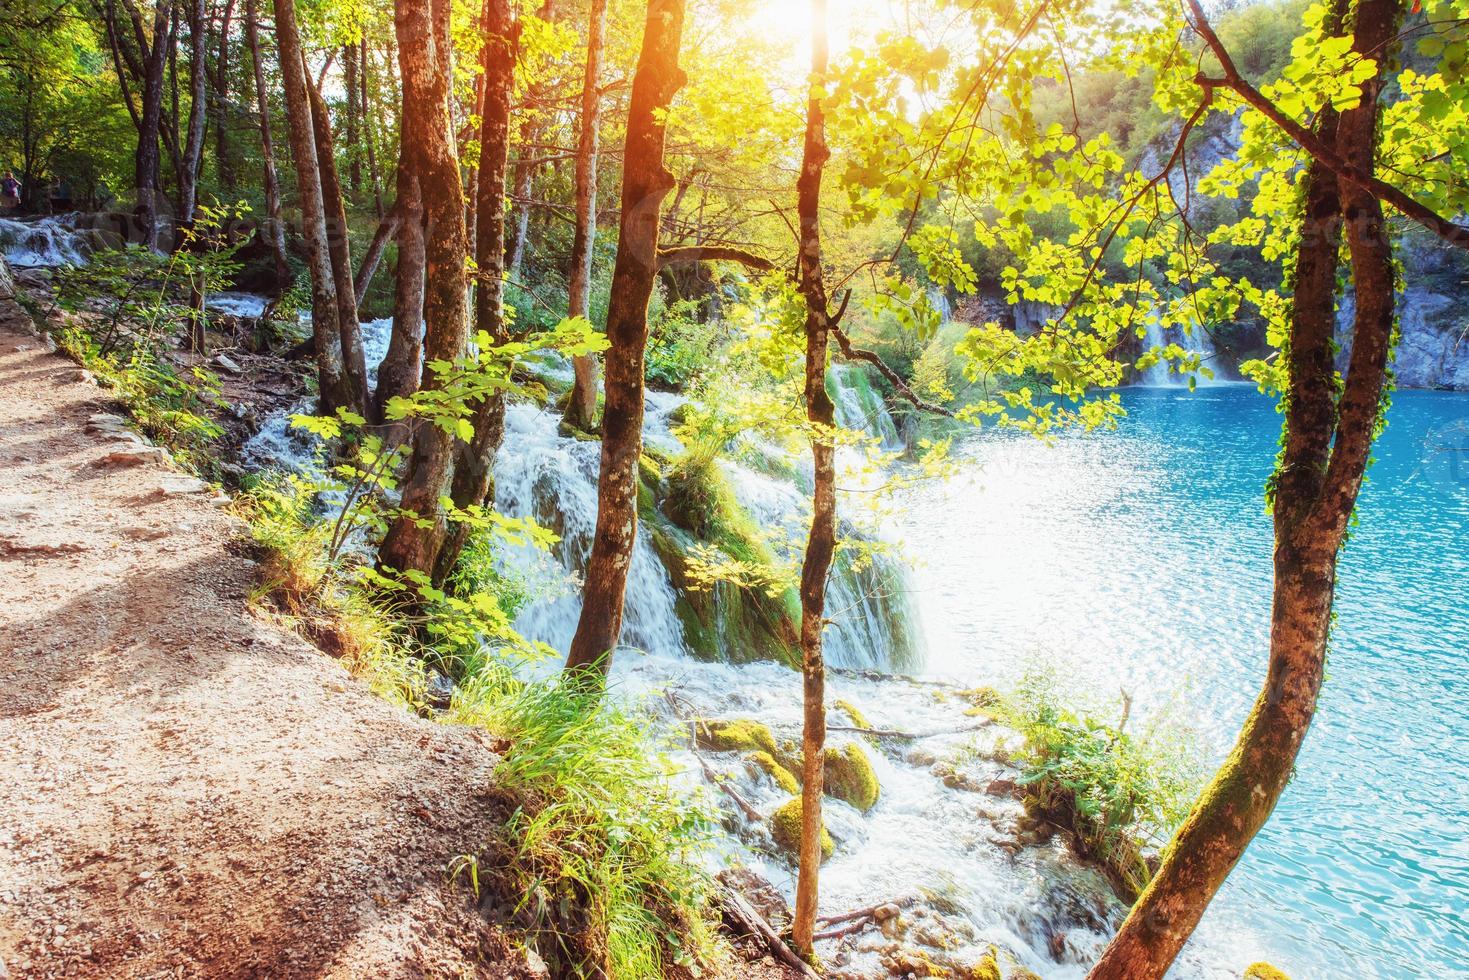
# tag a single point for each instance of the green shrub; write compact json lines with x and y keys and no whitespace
{"x":602,"y":849}
{"x":1121,"y":793}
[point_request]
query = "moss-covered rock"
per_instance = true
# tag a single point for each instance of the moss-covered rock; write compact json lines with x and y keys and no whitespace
{"x":785,"y":828}
{"x":736,"y":622}
{"x":853,"y":712}
{"x":988,"y":968}
{"x":767,"y":764}
{"x":1021,"y":973}
{"x":1264,"y":971}
{"x":740,"y":735}
{"x":850,"y":777}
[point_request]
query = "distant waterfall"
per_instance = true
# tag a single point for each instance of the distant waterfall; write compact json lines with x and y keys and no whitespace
{"x":1161,"y":374}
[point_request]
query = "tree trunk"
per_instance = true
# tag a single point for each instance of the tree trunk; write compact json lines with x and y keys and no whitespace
{"x":337,"y":390}
{"x":429,"y":154}
{"x":821,"y":543}
{"x":350,"y":79}
{"x":222,"y":101}
{"x":474,"y":469}
{"x":399,"y":373}
{"x":1327,"y":445}
{"x":645,"y":183}
{"x":525,"y":169}
{"x":198,"y":111}
{"x":146,"y":160}
{"x":387,"y":230}
{"x":581,"y":410}
{"x":339,"y":247}
{"x":368,"y":135}
{"x":274,"y":230}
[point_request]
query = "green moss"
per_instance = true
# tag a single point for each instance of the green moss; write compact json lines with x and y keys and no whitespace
{"x":849,"y":776}
{"x":851,"y":711}
{"x":741,"y":735}
{"x":785,"y":828}
{"x":1021,"y":973}
{"x":782,"y":776}
{"x":1264,"y":971}
{"x":728,"y":621}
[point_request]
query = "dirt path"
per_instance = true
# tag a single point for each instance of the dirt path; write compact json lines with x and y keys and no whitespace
{"x":187,"y":790}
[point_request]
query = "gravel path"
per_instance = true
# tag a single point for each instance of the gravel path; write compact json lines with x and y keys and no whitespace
{"x":187,"y":790}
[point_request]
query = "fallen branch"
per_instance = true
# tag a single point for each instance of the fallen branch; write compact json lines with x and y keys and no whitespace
{"x":741,"y":915}
{"x":893,"y":733}
{"x":749,"y":810}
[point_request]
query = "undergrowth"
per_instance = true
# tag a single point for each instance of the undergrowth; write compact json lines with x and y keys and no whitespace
{"x":598,"y":859}
{"x":1121,"y":793}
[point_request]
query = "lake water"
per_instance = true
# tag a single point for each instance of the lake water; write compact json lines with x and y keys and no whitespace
{"x":1140,"y":560}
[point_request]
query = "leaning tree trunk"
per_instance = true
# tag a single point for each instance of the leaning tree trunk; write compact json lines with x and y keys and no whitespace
{"x":413,"y":542}
{"x":274,"y":230}
{"x":399,"y":373}
{"x":474,"y":468}
{"x":1328,"y":441}
{"x":337,"y":390}
{"x":581,"y":409}
{"x":645,"y":183}
{"x":820,"y":416}
{"x":339,"y":247}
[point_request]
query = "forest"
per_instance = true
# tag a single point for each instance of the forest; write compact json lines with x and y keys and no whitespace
{"x":687,"y":488}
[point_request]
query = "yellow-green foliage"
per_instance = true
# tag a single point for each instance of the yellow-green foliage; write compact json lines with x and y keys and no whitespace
{"x":785,"y":828}
{"x":336,"y":615}
{"x":988,"y":968}
{"x":599,"y":830}
{"x":782,"y":776}
{"x":741,"y":735}
{"x":858,"y":718}
{"x":849,"y":776}
{"x":1264,"y":971}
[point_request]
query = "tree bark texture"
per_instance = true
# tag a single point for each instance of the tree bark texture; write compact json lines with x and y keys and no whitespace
{"x":581,"y":409}
{"x":821,"y":542}
{"x":1327,"y":443}
{"x":645,"y":183}
{"x":474,"y":467}
{"x":337,"y":390}
{"x":274,"y":230}
{"x":431,"y":157}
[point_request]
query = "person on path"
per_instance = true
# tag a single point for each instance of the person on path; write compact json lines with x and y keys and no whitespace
{"x":9,"y":192}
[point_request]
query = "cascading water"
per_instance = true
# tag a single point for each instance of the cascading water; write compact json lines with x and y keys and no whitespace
{"x":45,"y":242}
{"x":951,"y":843}
{"x":1160,"y":375}
{"x":859,"y":407}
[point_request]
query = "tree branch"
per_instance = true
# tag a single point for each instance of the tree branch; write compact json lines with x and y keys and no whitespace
{"x":713,"y":253}
{"x":1454,"y":234}
{"x":852,"y":353}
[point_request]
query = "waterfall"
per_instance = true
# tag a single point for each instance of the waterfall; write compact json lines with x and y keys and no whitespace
{"x":553,"y":479}
{"x":1160,"y":375}
{"x":859,"y":407}
{"x":45,"y":242}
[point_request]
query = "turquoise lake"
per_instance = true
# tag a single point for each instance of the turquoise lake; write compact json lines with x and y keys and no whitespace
{"x":1139,"y":560}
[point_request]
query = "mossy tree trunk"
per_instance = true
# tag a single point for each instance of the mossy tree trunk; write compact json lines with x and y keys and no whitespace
{"x":429,"y":152}
{"x":474,"y":466}
{"x":645,"y":183}
{"x":1328,"y":441}
{"x":581,"y":409}
{"x":821,"y":542}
